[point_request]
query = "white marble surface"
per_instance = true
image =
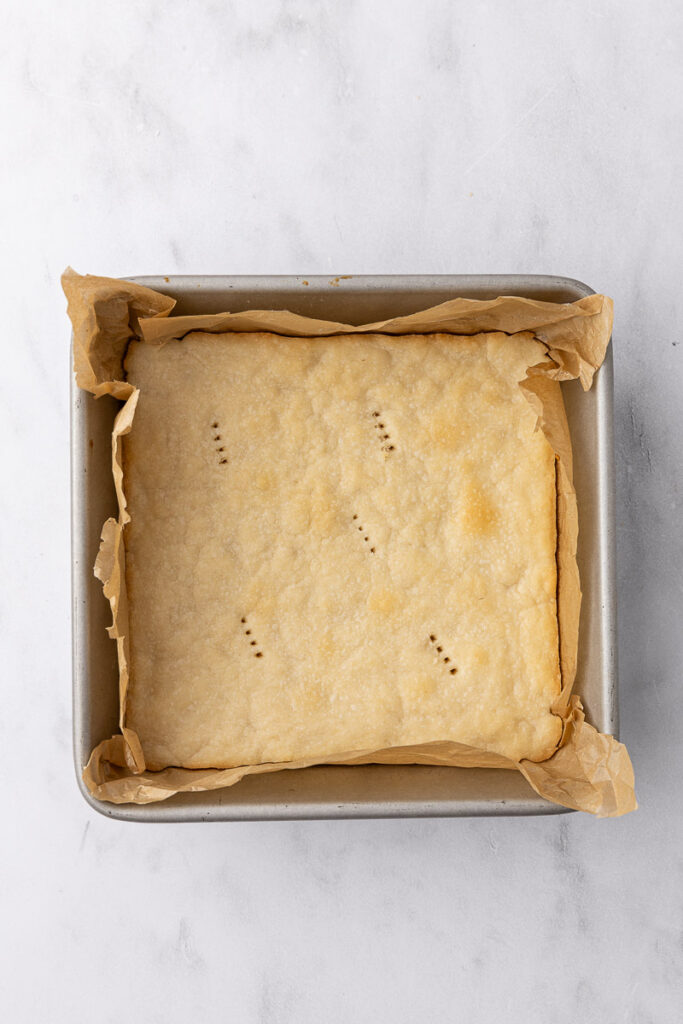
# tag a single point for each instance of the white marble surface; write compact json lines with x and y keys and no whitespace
{"x":340,"y":137}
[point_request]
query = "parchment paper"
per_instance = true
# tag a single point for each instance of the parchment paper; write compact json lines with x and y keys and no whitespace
{"x":589,"y":771}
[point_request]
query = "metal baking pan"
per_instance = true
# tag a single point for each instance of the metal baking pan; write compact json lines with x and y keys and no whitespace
{"x":368,"y":791}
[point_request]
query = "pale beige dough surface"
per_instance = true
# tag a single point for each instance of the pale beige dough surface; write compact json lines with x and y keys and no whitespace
{"x":305,"y":515}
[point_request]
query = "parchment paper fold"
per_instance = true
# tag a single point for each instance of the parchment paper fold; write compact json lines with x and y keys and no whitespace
{"x":589,"y":771}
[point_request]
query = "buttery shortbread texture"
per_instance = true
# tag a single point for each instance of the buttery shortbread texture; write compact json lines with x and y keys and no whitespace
{"x":338,"y":544}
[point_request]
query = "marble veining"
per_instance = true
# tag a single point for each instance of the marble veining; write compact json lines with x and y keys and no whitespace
{"x":340,"y":137}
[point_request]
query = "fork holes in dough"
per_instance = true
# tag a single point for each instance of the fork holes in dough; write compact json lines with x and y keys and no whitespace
{"x":219,"y":450}
{"x":252,"y":643}
{"x":381,"y":426}
{"x":361,"y":529}
{"x":439,"y":650}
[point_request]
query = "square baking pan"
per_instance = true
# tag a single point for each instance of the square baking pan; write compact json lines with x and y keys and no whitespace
{"x":364,"y":791}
